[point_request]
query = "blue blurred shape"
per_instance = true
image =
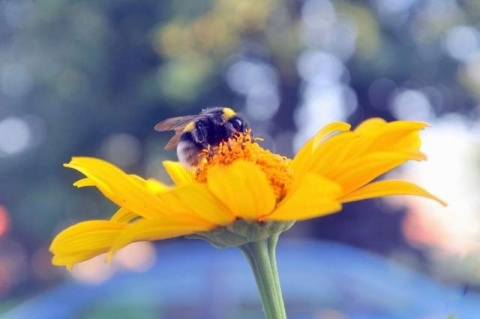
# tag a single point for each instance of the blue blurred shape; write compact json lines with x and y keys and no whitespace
{"x":320,"y":280}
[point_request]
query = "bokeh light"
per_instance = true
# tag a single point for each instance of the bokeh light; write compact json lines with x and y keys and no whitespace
{"x":412,"y":105}
{"x":15,"y":136}
{"x":4,"y":221}
{"x":122,"y":149}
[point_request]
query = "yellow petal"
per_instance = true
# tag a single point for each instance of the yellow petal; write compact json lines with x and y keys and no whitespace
{"x":393,"y":136}
{"x":155,"y":186}
{"x":84,"y":240}
{"x":313,"y":196}
{"x":328,"y":130}
{"x":243,"y":188}
{"x":84,"y":182}
{"x":388,"y":188}
{"x":156,"y":229}
{"x":69,"y":261}
{"x":151,"y":184}
{"x":303,"y":159}
{"x":192,"y":199}
{"x":123,"y":216}
{"x":373,"y":124}
{"x":363,"y":170}
{"x":409,"y":142}
{"x":178,"y":173}
{"x":198,"y":200}
{"x":124,"y":190}
{"x":336,"y":152}
{"x":332,"y":153}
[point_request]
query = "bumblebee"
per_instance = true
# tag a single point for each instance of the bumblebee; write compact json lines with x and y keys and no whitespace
{"x":195,"y":133}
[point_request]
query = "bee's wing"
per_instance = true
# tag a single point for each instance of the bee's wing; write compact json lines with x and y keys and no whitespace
{"x":173,"y":142}
{"x":175,"y":123}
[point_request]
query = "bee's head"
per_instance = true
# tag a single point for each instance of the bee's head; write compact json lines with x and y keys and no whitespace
{"x":235,"y":121}
{"x":228,"y":118}
{"x":238,"y":123}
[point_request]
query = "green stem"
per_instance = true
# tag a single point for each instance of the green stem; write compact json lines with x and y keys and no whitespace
{"x":262,"y":259}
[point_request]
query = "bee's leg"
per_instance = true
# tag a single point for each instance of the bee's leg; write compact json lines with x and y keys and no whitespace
{"x":211,"y":150}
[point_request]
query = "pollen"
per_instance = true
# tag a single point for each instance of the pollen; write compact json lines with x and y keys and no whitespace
{"x":245,"y":147}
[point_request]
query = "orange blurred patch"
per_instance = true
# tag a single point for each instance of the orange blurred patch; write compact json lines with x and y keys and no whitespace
{"x":4,"y":220}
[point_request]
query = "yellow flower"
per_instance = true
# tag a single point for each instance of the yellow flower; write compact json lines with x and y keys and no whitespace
{"x":243,"y":190}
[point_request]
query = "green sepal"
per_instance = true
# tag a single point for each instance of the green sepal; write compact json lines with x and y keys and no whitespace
{"x":242,"y":232}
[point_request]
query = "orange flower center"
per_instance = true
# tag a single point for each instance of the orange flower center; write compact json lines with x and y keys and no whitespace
{"x":244,"y":147}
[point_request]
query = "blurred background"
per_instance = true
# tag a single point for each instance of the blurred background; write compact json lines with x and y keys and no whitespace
{"x":92,"y":78}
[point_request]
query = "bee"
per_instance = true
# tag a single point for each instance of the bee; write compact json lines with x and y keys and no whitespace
{"x":195,"y":133}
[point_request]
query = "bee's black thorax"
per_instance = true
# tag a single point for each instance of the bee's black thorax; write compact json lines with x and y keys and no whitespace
{"x":206,"y":132}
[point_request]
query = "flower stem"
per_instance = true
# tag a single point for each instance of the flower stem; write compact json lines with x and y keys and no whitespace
{"x":262,"y":259}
